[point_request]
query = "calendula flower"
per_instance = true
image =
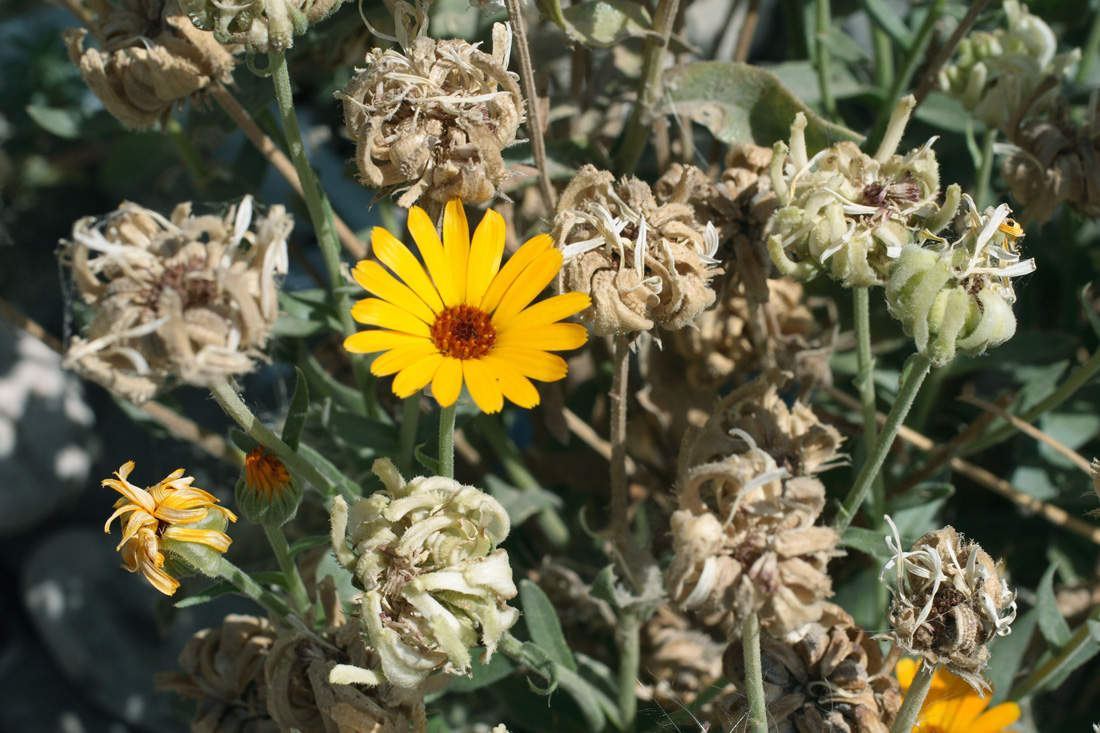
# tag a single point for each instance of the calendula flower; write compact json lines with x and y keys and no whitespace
{"x":172,"y":517}
{"x":266,"y":493}
{"x":953,"y":707}
{"x":466,"y":319}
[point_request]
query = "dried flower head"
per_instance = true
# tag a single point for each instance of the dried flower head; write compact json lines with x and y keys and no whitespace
{"x":150,"y":59}
{"x":645,"y":262}
{"x":171,"y":517}
{"x":1054,"y":160}
{"x":744,"y":536}
{"x":848,"y":214}
{"x":189,"y":298}
{"x":953,"y":707}
{"x":432,"y":118}
{"x":436,"y":583}
{"x":682,"y":661}
{"x":261,"y":26}
{"x":994,"y":73}
{"x":831,"y":678}
{"x":958,"y":296}
{"x":948,"y":602}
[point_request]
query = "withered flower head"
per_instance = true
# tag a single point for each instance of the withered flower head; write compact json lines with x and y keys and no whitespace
{"x":432,"y":118}
{"x":645,"y":262}
{"x":188,"y":298}
{"x":436,"y":583}
{"x":949,"y":602}
{"x":744,"y":536}
{"x":833,"y":678}
{"x":150,"y":59}
{"x":849,"y":214}
{"x":259,"y":25}
{"x":682,"y":661}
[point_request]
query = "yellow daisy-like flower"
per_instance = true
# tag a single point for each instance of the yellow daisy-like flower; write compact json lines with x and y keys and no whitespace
{"x":162,"y":513}
{"x":466,"y":319}
{"x":952,"y":706}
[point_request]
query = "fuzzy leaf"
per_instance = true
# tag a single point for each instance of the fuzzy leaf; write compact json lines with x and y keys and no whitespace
{"x":482,"y":674}
{"x":603,"y":23}
{"x":223,"y":587}
{"x":543,"y":624}
{"x":1008,"y":653}
{"x":521,"y":505}
{"x":742,"y":103}
{"x":1054,"y":627}
{"x":432,"y":464}
{"x":884,"y":17}
{"x":243,"y":440}
{"x":307,"y":543}
{"x":296,"y":414}
{"x":868,"y":541}
{"x":920,"y":496}
{"x":587,"y":697}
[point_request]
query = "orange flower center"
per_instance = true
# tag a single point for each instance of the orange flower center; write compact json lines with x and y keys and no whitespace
{"x":463,"y":332}
{"x":265,"y":472}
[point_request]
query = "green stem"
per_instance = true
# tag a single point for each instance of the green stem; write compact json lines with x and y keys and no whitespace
{"x":824,"y":57}
{"x":192,"y":159}
{"x":629,"y":656}
{"x":231,"y":402}
{"x":908,"y":68}
{"x":914,"y":698}
{"x":447,"y":441}
{"x":321,"y":216}
{"x":243,"y":582}
{"x":754,"y":674}
{"x":618,"y":398}
{"x":916,"y":369}
{"x":1090,"y":51}
{"x":410,"y":421}
{"x":293,"y":578}
{"x":1065,"y":390}
{"x":549,"y":520}
{"x":649,"y":89}
{"x":865,"y":381}
{"x":884,"y":57}
{"x":1069,"y":654}
{"x":985,"y":169}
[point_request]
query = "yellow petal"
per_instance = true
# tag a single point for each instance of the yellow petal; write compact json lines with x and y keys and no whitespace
{"x":514,"y":385}
{"x":141,"y":497}
{"x":533,"y":363}
{"x":404,"y":264}
{"x":209,"y":537}
{"x":447,"y":382}
{"x":512,"y":269}
{"x":375,"y":312}
{"x":416,"y":376}
{"x":403,"y":356}
{"x":485,"y":254}
{"x":550,"y":310}
{"x":997,"y":719}
{"x":456,"y":243}
{"x":375,"y":279}
{"x":159,"y":579}
{"x":431,"y":249}
{"x":551,"y":337}
{"x":533,"y":281}
{"x":483,"y":386}
{"x":369,"y":342}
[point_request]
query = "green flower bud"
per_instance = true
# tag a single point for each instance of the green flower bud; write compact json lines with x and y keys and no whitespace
{"x":186,"y":550}
{"x":260,"y":25}
{"x":435,"y":583}
{"x":267,"y":494}
{"x":959,"y":297}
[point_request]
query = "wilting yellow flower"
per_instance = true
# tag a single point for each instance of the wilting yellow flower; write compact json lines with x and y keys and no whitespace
{"x":466,"y":319}
{"x":154,"y":519}
{"x":952,"y":706}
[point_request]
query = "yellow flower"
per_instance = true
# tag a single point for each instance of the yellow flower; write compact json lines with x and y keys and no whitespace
{"x":466,"y":319}
{"x":952,"y":706}
{"x":165,"y":513}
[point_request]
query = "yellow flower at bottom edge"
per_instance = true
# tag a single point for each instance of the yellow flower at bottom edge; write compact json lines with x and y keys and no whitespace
{"x":466,"y":319}
{"x":952,"y":706}
{"x":168,"y":512}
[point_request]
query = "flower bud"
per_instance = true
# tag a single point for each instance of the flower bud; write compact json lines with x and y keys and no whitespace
{"x":260,"y":25}
{"x":958,"y":297}
{"x":436,"y":584}
{"x":266,"y":493}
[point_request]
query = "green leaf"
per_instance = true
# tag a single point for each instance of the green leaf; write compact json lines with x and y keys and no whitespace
{"x":543,"y":625}
{"x":66,"y":122}
{"x":742,"y":103}
{"x":884,"y":17}
{"x":603,"y":23}
{"x":311,"y":305}
{"x":1054,"y":627}
{"x":223,"y":587}
{"x":291,"y":327}
{"x":308,"y":543}
{"x":868,"y":541}
{"x":483,"y":674}
{"x":919,"y":495}
{"x":588,"y":699}
{"x":329,"y":471}
{"x":296,"y":414}
{"x":1075,"y":657}
{"x":432,"y":464}
{"x":520,"y":504}
{"x":800,"y":78}
{"x":243,"y":440}
{"x":1008,"y":653}
{"x":1090,"y":312}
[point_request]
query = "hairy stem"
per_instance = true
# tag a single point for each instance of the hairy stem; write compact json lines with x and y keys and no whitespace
{"x":824,"y":59}
{"x":629,"y":655}
{"x":914,"y":698}
{"x":618,"y":398}
{"x":649,"y":89}
{"x":865,"y":382}
{"x":916,"y":369}
{"x":293,"y":578}
{"x":534,"y":114}
{"x":447,"y":441}
{"x":754,"y":674}
{"x":244,"y":583}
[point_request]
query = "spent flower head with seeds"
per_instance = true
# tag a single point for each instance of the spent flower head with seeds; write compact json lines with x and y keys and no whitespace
{"x":848,"y":214}
{"x":958,"y":296}
{"x":466,"y":319}
{"x":948,"y":602}
{"x":186,"y":298}
{"x":261,"y":26}
{"x":436,"y":583}
{"x":430,"y":120}
{"x":170,"y":517}
{"x":645,"y":262}
{"x":150,"y":59}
